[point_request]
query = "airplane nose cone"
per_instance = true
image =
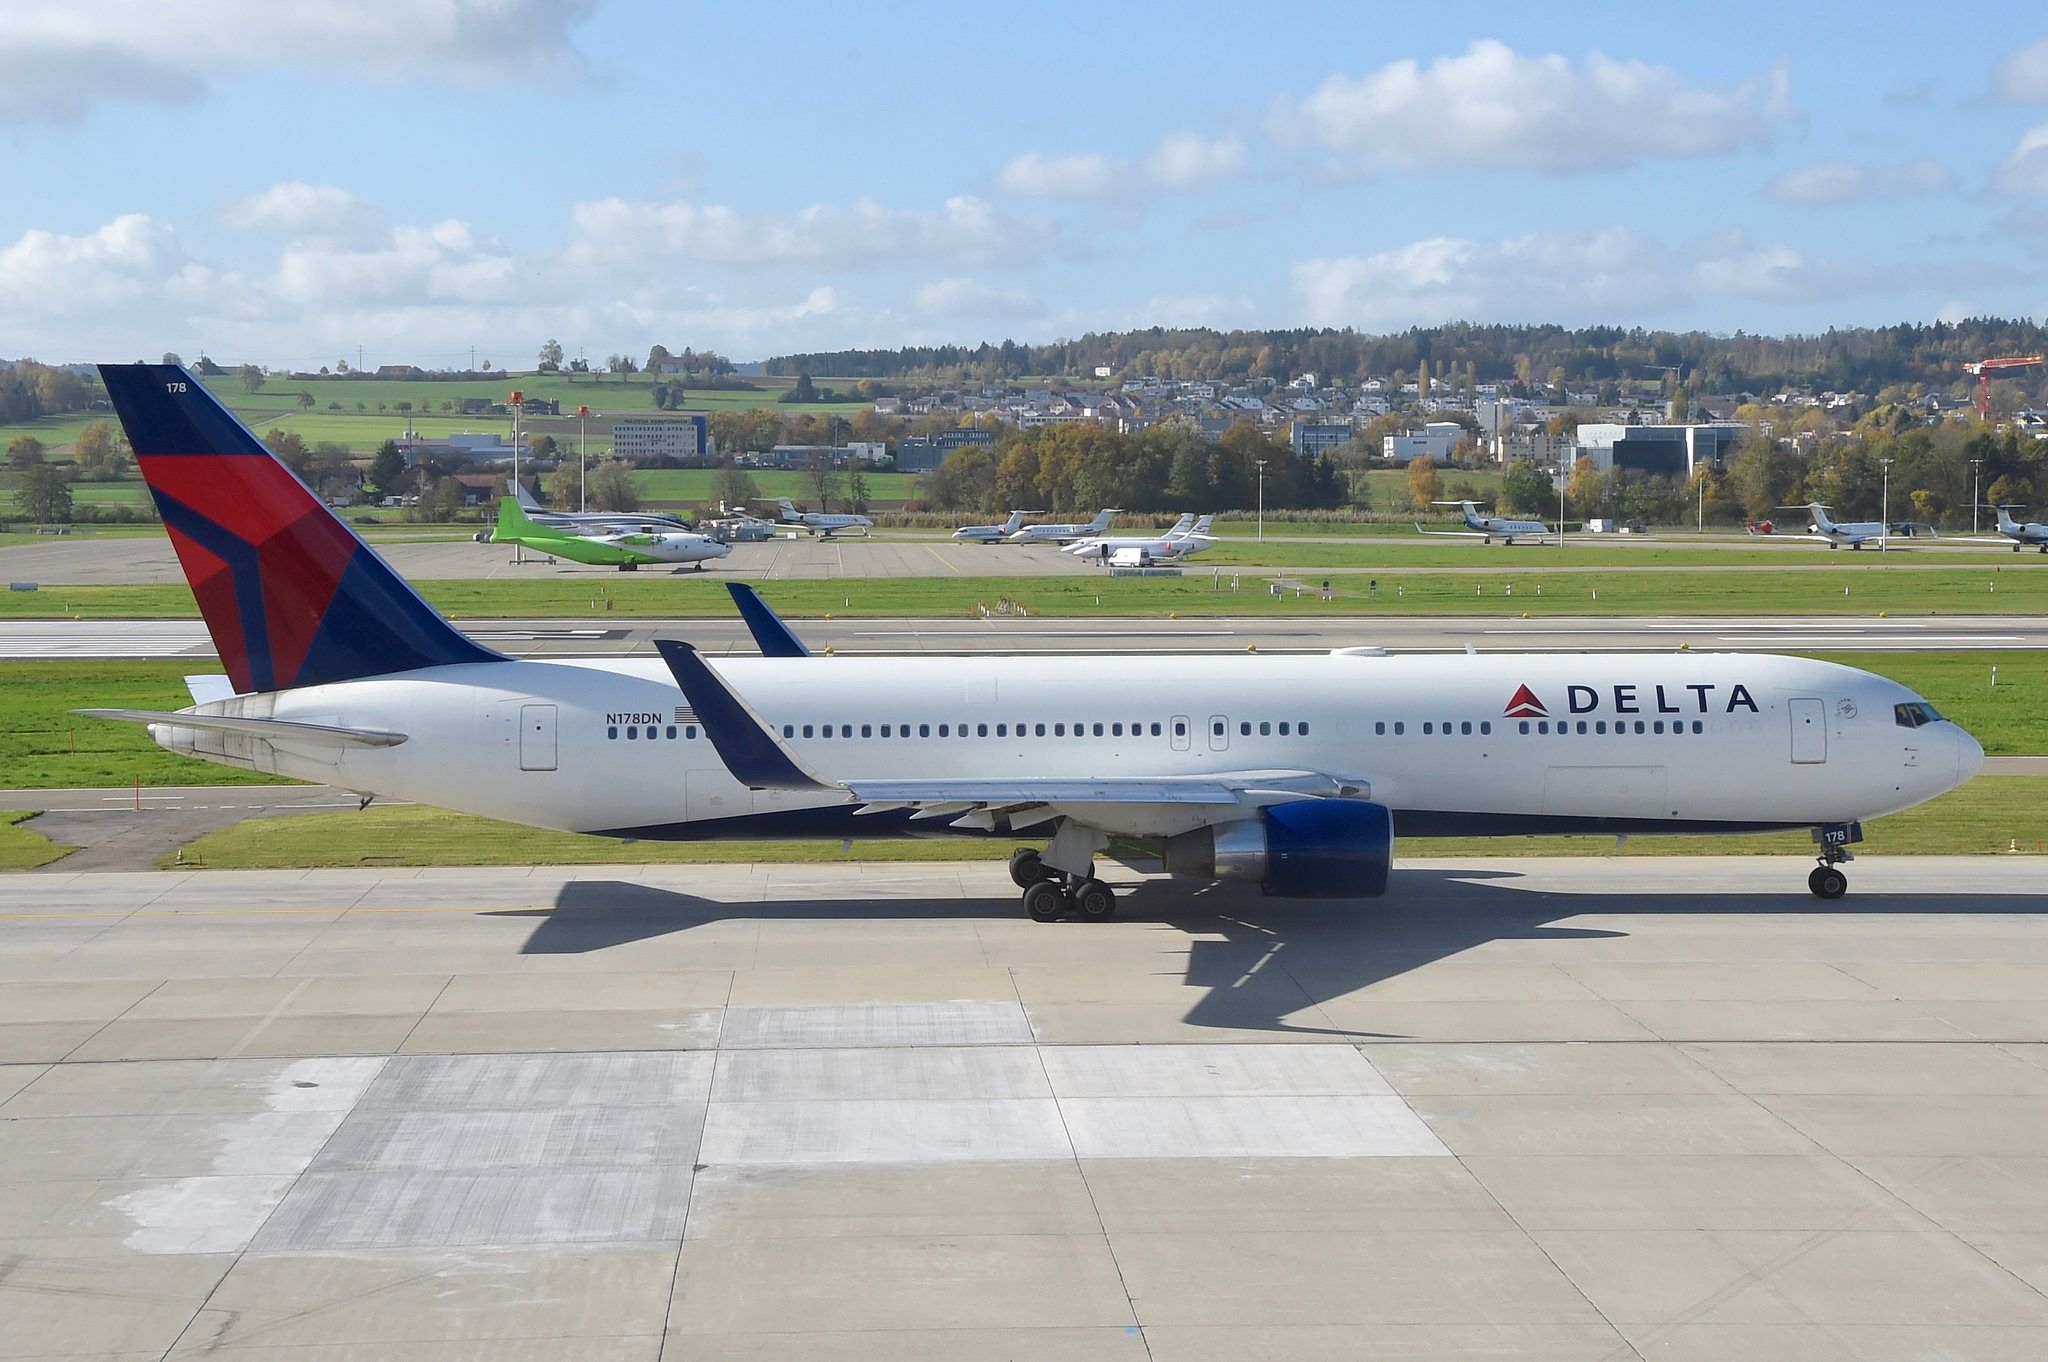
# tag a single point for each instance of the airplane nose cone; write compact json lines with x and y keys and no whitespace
{"x":1969,"y":756}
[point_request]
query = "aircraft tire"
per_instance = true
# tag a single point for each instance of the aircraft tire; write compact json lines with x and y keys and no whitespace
{"x":1046,"y":901}
{"x":1025,"y":868}
{"x":1095,"y":901}
{"x":1827,"y":882}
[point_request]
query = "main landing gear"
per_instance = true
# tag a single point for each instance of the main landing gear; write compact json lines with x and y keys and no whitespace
{"x":1050,"y":895}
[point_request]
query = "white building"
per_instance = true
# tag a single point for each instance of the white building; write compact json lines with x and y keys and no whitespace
{"x":1436,"y":441}
{"x":681,"y":436}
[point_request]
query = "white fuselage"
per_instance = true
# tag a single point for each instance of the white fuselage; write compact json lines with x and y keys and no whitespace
{"x":2030,"y":534}
{"x":1505,"y":528}
{"x":1129,"y":551}
{"x":1635,"y":743}
{"x":1058,"y":534}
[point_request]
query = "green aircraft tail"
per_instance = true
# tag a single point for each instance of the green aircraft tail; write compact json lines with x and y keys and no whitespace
{"x":513,"y":524}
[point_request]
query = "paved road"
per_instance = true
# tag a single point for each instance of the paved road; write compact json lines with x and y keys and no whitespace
{"x":1576,"y":1109}
{"x":604,"y":637}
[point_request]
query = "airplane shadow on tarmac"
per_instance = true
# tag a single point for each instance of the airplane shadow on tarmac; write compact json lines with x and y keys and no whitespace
{"x":1257,"y":960}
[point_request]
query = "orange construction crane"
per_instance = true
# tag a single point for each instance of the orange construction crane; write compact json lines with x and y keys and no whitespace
{"x":1984,"y":368}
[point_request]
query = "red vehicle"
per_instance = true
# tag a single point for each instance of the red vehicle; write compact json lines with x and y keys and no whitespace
{"x":1758,"y":527}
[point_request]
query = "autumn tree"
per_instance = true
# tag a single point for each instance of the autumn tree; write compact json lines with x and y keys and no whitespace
{"x":1423,"y":484}
{"x":101,"y":453}
{"x":732,"y":486}
{"x":44,"y":495}
{"x":24,"y":451}
{"x":611,"y":487}
{"x":1526,"y":489}
{"x":387,"y":465}
{"x":250,"y":377}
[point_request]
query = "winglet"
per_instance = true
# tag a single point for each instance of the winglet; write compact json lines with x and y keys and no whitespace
{"x":743,"y":741}
{"x":774,"y":638}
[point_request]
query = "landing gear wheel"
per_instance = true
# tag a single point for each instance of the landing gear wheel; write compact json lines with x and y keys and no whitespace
{"x":1046,"y":902}
{"x":1025,"y":868}
{"x":1095,"y":901}
{"x":1827,"y":882}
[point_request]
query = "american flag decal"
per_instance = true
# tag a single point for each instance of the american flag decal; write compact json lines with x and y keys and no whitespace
{"x":685,"y":715}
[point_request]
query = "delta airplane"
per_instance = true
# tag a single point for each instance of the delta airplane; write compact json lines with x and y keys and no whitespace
{"x":626,"y":552}
{"x":1292,"y":773}
{"x":2023,"y":534}
{"x":820,"y":523}
{"x":1488,"y":528}
{"x":1064,"y":534}
{"x":992,"y":534}
{"x":1187,"y":538}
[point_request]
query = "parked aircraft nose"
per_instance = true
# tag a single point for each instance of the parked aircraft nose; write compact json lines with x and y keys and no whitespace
{"x":1969,"y":756}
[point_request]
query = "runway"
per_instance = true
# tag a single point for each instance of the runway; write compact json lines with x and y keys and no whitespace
{"x":605,"y":637}
{"x":601,"y":636}
{"x":1549,"y":1110}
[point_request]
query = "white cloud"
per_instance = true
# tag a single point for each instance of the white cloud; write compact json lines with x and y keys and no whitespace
{"x":1553,"y":276}
{"x":446,"y":263}
{"x":619,"y":234}
{"x":2025,"y":168}
{"x":1495,"y":108}
{"x":57,"y":60}
{"x":1180,"y":160}
{"x":971,"y":298}
{"x":1833,"y":182}
{"x":1183,"y":160}
{"x":1085,"y":175}
{"x":306,"y":210}
{"x":2021,"y":76}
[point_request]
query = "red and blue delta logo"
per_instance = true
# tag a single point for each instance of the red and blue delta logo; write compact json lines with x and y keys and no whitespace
{"x":1525,"y":705}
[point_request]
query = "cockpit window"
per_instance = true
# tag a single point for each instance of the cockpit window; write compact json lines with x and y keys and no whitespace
{"x":1915,"y":714}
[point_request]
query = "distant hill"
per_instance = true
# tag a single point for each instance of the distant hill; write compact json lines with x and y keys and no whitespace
{"x":1860,"y":358}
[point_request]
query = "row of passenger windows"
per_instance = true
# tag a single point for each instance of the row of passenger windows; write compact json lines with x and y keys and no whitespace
{"x":1266,"y":728}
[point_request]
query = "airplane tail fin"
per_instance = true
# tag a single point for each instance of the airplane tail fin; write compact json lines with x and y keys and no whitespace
{"x":526,"y":501}
{"x":290,"y":595}
{"x":512,"y":520}
{"x":1201,"y":529}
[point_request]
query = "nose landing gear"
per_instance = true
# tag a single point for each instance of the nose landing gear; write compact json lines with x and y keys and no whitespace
{"x":1827,"y":881}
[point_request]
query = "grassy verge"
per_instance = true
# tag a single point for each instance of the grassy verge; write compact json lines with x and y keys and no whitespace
{"x":1591,"y":594}
{"x":21,"y":849}
{"x":1986,"y":816}
{"x":44,"y":745}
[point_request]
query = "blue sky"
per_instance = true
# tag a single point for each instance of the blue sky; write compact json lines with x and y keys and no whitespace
{"x":286,"y":182}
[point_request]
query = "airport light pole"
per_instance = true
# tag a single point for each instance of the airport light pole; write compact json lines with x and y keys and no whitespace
{"x":1884,"y":511}
{"x":518,"y":400}
{"x":582,"y":477}
{"x":1262,"y":497}
{"x":1975,"y":499}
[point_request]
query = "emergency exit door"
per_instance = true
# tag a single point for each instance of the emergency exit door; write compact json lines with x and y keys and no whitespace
{"x":1809,"y":730}
{"x":536,"y":737}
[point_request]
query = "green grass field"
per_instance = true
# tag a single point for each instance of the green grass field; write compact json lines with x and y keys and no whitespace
{"x":1406,"y":548}
{"x":44,"y":745}
{"x":1985,"y":816}
{"x":694,"y":485}
{"x":1888,"y":590}
{"x":21,"y":847}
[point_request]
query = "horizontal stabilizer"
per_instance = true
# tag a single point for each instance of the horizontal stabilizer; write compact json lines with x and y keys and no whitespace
{"x":207,"y":689}
{"x":318,"y":735}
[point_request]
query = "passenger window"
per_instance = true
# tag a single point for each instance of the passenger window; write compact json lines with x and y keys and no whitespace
{"x":671,"y":733}
{"x":1301,"y":729}
{"x":1002,"y":730}
{"x":1542,"y":726}
{"x":690,"y":731}
{"x":1582,"y":727}
{"x":1429,"y":727}
{"x":981,"y":730}
{"x":807,"y":730}
{"x":1116,"y":730}
{"x":1180,"y":730}
{"x":1639,"y":725}
{"x":846,"y":730}
{"x":1059,"y":730}
{"x":1155,"y":729}
{"x":1399,"y":728}
{"x":1041,"y":731}
{"x":1380,"y":728}
{"x":867,"y":730}
{"x":924,"y":730}
{"x":1698,"y":727}
{"x":1657,"y":726}
{"x":1485,"y":727}
{"x":1466,"y":728}
{"x":632,"y":732}
{"x":1283,"y":728}
{"x":611,"y":732}
{"x":1244,"y":728}
{"x":1216,"y":729}
{"x":1599,"y":725}
{"x":1525,"y":725}
{"x":1098,"y":730}
{"x":1265,"y":728}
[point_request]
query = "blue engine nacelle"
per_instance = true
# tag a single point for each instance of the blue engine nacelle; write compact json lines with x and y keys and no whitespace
{"x":1305,"y":849}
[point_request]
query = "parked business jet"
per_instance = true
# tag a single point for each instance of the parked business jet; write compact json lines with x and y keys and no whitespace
{"x":1289,"y":772}
{"x":820,"y":523}
{"x":1836,"y":533}
{"x":2023,"y":534}
{"x":1064,"y":534}
{"x":1488,"y":528}
{"x":1187,"y":538}
{"x":992,"y":534}
{"x":626,"y":552}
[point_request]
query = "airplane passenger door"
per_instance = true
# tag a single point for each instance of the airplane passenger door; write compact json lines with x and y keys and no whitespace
{"x":536,"y":737}
{"x":1809,"y":730}
{"x":1219,"y":732}
{"x":1182,"y":728}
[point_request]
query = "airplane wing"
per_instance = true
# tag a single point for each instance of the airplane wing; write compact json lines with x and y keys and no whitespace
{"x":754,"y":756}
{"x":317,"y":735}
{"x":771,"y":635}
{"x":1454,"y":534}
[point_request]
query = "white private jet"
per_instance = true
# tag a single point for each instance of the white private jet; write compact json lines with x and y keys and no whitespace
{"x":2022,"y":534}
{"x":1188,"y":537}
{"x":992,"y":534}
{"x":1064,"y":534}
{"x":1488,"y":528}
{"x":598,"y":522}
{"x":1292,"y":773}
{"x":1845,"y":534}
{"x":821,"y":523}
